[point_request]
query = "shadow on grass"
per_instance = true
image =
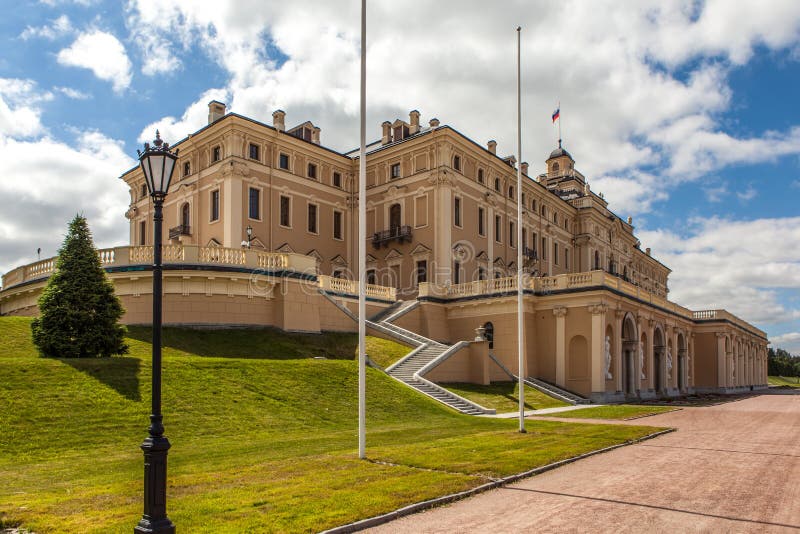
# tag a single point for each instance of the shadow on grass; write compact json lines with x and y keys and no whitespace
{"x":252,"y":343}
{"x":120,"y":373}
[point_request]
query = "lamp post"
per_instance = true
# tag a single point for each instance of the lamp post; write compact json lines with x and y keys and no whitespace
{"x":157,"y":162}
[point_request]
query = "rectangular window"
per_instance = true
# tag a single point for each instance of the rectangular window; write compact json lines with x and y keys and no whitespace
{"x":215,"y":205}
{"x":481,"y":222}
{"x":511,"y":233}
{"x":255,"y":203}
{"x":216,"y":154}
{"x":456,"y":272}
{"x":395,"y":170}
{"x":254,"y":151}
{"x":544,"y":249}
{"x":457,"y":163}
{"x":285,"y":210}
{"x":337,"y":179}
{"x":497,"y":184}
{"x":312,"y":171}
{"x":566,"y":258}
{"x":480,"y":176}
{"x":283,"y":161}
{"x":457,"y":212}
{"x":143,"y":191}
{"x":524,"y":237}
{"x":337,"y":225}
{"x":555,"y":253}
{"x":422,"y":271}
{"x":143,"y":232}
{"x":533,"y":241}
{"x":481,"y":273}
{"x":187,"y":169}
{"x":523,"y":199}
{"x":312,"y":218}
{"x":498,"y":229}
{"x":511,"y":191}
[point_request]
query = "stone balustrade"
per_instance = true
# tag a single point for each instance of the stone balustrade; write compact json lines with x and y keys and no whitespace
{"x":174,"y":255}
{"x":724,"y":315}
{"x":350,"y":287}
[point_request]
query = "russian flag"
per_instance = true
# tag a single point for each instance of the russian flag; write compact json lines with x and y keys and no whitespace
{"x":556,"y":114}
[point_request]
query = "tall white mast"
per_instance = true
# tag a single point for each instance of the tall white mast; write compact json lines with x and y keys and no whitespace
{"x":520,"y":244}
{"x":362,"y":239}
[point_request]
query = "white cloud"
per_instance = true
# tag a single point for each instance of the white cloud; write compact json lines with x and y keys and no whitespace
{"x":751,"y":268}
{"x":748,"y":194}
{"x":60,"y":181}
{"x":72,"y":93}
{"x":57,"y":28}
{"x":19,"y":110}
{"x":717,"y":193}
{"x":789,"y":342}
{"x":103,"y":54}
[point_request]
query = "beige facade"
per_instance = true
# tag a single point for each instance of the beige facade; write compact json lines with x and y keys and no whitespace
{"x":441,"y":225}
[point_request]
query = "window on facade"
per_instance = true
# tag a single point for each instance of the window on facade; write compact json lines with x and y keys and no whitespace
{"x":312,"y":218}
{"x":142,"y":232}
{"x":566,"y":258}
{"x":555,"y":166}
{"x":187,"y":169}
{"x":555,"y":252}
{"x":285,"y":215}
{"x":524,"y":237}
{"x":422,"y":271}
{"x":596,"y":259}
{"x":215,"y":205}
{"x":216,"y":154}
{"x":497,"y":184}
{"x":555,"y":218}
{"x":337,"y":179}
{"x":480,"y":176}
{"x":456,"y":272}
{"x":511,"y":233}
{"x":254,"y":151}
{"x":498,"y":228}
{"x":395,"y":170}
{"x":186,"y":216}
{"x":481,"y":222}
{"x":544,"y":210}
{"x":481,"y":273}
{"x":457,"y":163}
{"x":337,"y":225}
{"x":312,"y":171}
{"x":143,"y":191}
{"x":523,"y":199}
{"x":544,"y":249}
{"x":533,"y":241}
{"x":395,"y":217}
{"x":457,"y":212}
{"x":254,"y":203}
{"x":283,"y":161}
{"x":533,"y":205}
{"x":371,"y":278}
{"x":511,"y":191}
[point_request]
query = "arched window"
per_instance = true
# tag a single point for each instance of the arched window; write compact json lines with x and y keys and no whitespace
{"x":395,"y":212}
{"x":186,"y":217}
{"x":555,"y":166}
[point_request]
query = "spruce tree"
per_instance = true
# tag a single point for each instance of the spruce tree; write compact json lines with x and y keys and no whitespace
{"x":78,"y":311}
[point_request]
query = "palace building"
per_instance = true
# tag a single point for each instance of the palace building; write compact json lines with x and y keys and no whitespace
{"x":261,"y":229}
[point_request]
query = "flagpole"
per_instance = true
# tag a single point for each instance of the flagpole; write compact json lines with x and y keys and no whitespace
{"x":559,"y":123}
{"x":520,"y":244}
{"x":362,"y":238}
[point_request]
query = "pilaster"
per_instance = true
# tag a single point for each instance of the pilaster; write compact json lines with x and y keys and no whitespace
{"x":560,"y":313}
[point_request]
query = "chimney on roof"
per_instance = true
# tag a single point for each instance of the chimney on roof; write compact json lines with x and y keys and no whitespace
{"x":492,"y":145}
{"x":315,"y":135}
{"x":647,"y":251}
{"x":414,"y":117}
{"x":386,"y":137}
{"x":434,"y":122}
{"x":279,"y":120}
{"x":216,"y":110}
{"x":524,"y":166}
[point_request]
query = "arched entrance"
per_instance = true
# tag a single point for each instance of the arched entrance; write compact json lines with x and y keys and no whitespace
{"x":395,"y":219}
{"x":630,"y":350}
{"x":659,"y":353}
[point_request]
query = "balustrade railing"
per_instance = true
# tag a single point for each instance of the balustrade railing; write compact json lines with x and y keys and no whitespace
{"x":171,"y":255}
{"x":350,"y":287}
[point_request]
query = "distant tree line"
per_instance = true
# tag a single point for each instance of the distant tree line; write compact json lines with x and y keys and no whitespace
{"x":781,"y":363}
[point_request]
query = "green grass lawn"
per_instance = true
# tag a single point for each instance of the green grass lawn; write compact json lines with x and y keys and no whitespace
{"x":504,"y":396}
{"x":614,"y":411}
{"x":791,"y":381}
{"x":263,"y":438}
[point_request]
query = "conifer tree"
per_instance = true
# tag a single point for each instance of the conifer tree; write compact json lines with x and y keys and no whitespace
{"x":78,"y":310}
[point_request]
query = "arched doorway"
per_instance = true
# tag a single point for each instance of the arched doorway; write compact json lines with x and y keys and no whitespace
{"x":630,"y":349}
{"x":659,"y":353}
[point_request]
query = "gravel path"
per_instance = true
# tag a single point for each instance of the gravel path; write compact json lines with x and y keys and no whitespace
{"x":729,"y":468}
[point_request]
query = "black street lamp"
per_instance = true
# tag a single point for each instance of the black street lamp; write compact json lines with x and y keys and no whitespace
{"x":157,"y":162}
{"x":249,"y":235}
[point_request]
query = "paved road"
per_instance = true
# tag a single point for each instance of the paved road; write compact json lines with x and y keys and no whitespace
{"x":728,"y":468}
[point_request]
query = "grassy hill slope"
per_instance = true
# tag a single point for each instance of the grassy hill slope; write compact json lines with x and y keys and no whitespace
{"x":263,"y":437}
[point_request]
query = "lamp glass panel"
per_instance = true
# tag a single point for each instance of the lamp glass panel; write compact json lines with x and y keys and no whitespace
{"x":157,"y":168}
{"x":169,"y":166}
{"x":148,"y":175}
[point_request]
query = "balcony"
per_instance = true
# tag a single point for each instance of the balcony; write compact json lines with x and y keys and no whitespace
{"x":529,"y":253}
{"x":399,"y":233}
{"x":176,"y":231}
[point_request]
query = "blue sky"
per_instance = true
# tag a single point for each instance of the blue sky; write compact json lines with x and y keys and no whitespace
{"x":683,"y":114}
